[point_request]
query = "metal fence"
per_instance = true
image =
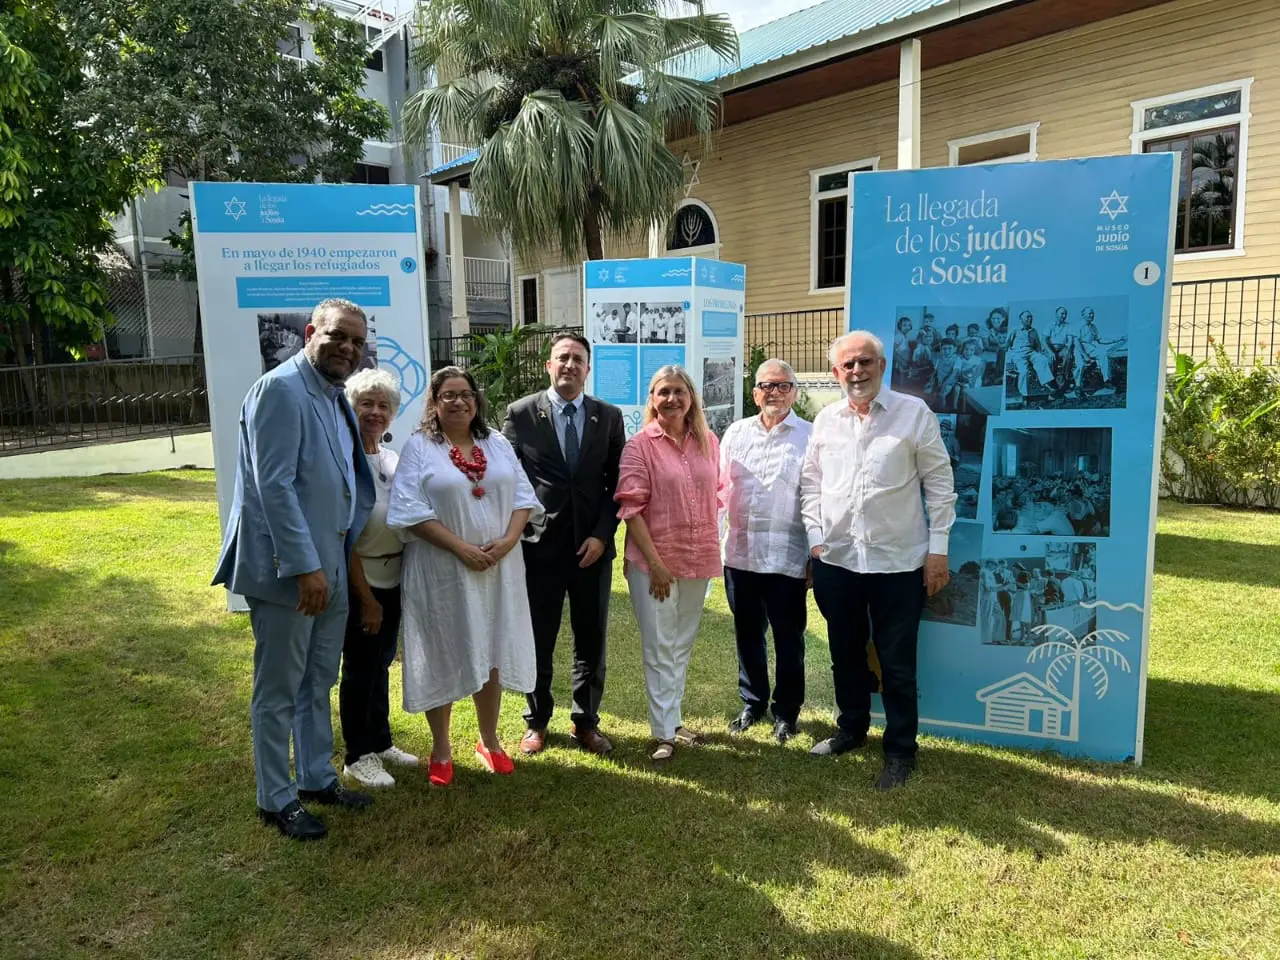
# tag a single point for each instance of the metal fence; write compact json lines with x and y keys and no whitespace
{"x":800,"y":337}
{"x":68,"y":403}
{"x":1239,"y":314}
{"x":155,"y":313}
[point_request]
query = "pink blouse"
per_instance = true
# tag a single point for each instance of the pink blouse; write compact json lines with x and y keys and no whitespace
{"x":677,"y":491}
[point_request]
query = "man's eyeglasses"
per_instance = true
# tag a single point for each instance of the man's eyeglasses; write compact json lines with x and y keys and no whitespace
{"x":853,"y":363}
{"x":784,"y":387}
{"x":466,"y":396}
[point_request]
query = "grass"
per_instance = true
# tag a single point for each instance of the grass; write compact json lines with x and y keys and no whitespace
{"x":127,"y":826}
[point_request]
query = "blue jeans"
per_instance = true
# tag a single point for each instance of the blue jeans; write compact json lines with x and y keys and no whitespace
{"x":884,"y":609}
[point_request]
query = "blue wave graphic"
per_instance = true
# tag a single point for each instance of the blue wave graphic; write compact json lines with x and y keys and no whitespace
{"x":386,"y":210}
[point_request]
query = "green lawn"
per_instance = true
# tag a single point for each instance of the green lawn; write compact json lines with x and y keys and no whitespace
{"x":127,"y":824}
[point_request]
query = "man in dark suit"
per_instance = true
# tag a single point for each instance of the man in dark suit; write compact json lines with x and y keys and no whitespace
{"x":570,"y":445}
{"x":303,"y":491}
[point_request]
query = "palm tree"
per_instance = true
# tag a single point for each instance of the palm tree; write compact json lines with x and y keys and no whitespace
{"x":1070,"y":653}
{"x":572,"y":103}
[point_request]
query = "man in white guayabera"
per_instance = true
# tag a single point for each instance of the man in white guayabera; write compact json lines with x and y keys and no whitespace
{"x":875,"y":556}
{"x":766,"y":553}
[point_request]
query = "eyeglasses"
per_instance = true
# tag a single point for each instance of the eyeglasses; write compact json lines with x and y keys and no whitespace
{"x":854,"y":362}
{"x":466,"y":396}
{"x":784,"y":387}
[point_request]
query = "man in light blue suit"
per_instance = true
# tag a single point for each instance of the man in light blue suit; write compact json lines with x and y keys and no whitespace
{"x":303,"y":492}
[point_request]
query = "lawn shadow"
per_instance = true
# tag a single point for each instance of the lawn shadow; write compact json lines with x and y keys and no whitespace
{"x":1238,"y":727}
{"x":20,"y":498}
{"x":701,"y":870}
{"x":1012,"y":799}
{"x":1224,"y":561}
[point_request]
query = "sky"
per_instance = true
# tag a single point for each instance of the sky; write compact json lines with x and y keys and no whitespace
{"x":746,"y":14}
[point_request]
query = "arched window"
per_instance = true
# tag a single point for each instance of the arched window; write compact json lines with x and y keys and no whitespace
{"x":693,"y":227}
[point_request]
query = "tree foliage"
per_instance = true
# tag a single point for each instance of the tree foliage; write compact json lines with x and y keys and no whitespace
{"x":198,"y":89}
{"x":58,"y":183}
{"x":572,"y":102}
{"x":101,"y":99}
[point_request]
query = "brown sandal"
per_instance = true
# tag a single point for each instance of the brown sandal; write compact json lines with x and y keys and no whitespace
{"x":663,"y":751}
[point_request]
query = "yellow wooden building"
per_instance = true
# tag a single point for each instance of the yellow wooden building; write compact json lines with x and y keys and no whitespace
{"x":851,"y":85}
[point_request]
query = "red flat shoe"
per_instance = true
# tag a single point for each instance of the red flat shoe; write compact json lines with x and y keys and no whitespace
{"x":439,"y":774}
{"x":496,"y":761}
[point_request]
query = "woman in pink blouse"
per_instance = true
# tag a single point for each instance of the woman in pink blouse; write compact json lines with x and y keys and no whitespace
{"x":668,"y":489}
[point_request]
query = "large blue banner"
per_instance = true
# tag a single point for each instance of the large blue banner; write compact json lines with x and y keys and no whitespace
{"x":1027,"y":304}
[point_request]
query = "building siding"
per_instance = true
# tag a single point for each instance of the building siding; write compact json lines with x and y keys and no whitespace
{"x":1078,"y":85}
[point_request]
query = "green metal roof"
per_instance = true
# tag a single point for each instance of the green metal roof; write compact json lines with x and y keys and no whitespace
{"x":805,"y":29}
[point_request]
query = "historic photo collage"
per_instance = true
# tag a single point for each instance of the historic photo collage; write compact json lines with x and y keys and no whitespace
{"x":973,"y":363}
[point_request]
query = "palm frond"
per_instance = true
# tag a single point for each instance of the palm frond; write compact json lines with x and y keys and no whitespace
{"x":451,"y":106}
{"x":1055,"y":632}
{"x":1051,"y":648}
{"x":1058,"y":669}
{"x":1111,"y":636}
{"x":1098,"y":673}
{"x":1109,"y":656}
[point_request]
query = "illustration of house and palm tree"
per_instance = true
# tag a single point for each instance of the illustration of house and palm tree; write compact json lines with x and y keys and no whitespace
{"x":1026,"y":704}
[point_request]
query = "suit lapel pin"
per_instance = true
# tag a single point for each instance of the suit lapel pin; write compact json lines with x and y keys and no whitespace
{"x":595,"y":419}
{"x":542,"y":414}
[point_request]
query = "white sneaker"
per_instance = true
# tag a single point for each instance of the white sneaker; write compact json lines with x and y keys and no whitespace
{"x":368,"y":772}
{"x":402,"y":757}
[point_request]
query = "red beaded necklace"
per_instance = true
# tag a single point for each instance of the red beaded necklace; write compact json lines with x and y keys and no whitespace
{"x":473,"y":468}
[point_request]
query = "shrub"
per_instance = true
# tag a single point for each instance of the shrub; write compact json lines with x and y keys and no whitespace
{"x":1222,"y":433}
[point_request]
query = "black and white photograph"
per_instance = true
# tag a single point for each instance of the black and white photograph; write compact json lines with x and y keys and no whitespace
{"x":1021,"y":593}
{"x":965,"y":436}
{"x":719,"y":419}
{"x":1070,"y":353}
{"x":662,"y":322}
{"x":1053,"y":482}
{"x":718,"y":376}
{"x":281,"y":335}
{"x":615,"y":322}
{"x":950,"y":357}
{"x":957,"y":602}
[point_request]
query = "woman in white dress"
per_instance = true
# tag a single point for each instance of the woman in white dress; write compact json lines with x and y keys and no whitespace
{"x":462,"y":501}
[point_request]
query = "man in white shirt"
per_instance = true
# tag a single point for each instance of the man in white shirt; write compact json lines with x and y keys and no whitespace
{"x":875,"y":557}
{"x":766,"y":553}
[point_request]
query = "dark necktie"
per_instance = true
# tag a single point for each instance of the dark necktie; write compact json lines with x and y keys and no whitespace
{"x":570,"y":438}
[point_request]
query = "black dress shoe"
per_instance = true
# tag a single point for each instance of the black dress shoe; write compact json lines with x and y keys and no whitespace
{"x":294,"y":822}
{"x":841,"y":743}
{"x":894,"y":774}
{"x":743,"y":721}
{"x":337,"y":796}
{"x":783,"y":730}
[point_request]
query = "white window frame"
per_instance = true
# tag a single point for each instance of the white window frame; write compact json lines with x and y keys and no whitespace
{"x":955,"y":146}
{"x":1139,"y":137}
{"x":711,"y":251}
{"x":519,"y":298}
{"x":302,"y":44}
{"x":867,"y":163}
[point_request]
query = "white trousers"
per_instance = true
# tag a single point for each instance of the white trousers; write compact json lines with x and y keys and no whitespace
{"x":667,"y":631}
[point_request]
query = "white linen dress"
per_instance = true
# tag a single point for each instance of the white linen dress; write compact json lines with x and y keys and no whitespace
{"x":461,"y":623}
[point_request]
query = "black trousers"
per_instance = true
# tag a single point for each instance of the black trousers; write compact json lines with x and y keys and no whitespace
{"x":550,"y":576}
{"x":759,"y":601}
{"x":884,"y":608}
{"x":363,"y":703}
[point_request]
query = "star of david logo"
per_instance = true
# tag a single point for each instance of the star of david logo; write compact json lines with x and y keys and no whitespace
{"x":235,"y":208}
{"x":1114,"y":205}
{"x":603,"y":275}
{"x":690,"y":166}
